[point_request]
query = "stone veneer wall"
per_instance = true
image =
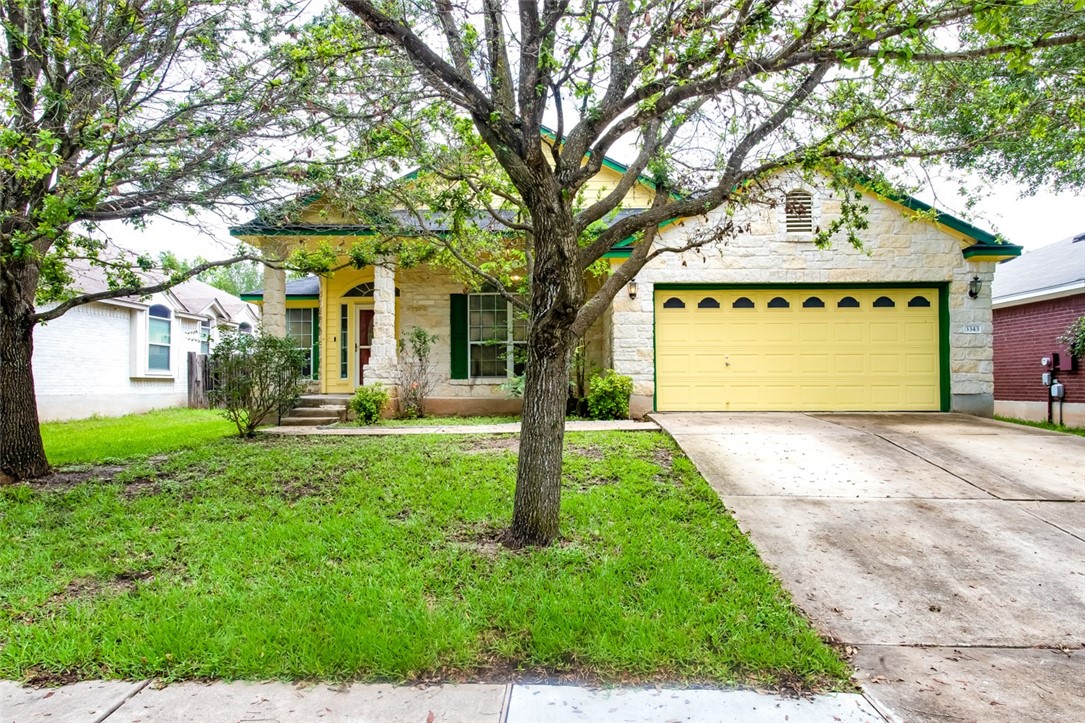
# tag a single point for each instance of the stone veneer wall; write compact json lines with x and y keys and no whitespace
{"x":897,"y":249}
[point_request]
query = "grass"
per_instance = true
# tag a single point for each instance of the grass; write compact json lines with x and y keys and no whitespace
{"x":1079,"y":431}
{"x":373,"y":559}
{"x":105,"y":439}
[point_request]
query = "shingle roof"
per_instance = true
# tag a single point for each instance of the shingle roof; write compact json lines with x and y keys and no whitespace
{"x":1050,"y":267}
{"x":306,"y":286}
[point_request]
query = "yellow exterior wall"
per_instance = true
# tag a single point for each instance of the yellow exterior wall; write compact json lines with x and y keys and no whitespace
{"x":332,"y":290}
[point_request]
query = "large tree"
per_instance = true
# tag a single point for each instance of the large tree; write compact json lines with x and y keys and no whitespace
{"x":118,"y":110}
{"x":709,"y":98}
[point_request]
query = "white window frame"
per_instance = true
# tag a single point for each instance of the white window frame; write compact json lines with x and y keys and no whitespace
{"x":312,"y":312}
{"x":510,"y":342}
{"x":168,"y":319}
{"x":205,"y":336}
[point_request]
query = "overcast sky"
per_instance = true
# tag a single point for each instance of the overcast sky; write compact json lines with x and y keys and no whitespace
{"x":1031,"y":222}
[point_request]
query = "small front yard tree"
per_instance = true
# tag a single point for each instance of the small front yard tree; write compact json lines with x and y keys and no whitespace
{"x":125,"y":110}
{"x":710,"y":99}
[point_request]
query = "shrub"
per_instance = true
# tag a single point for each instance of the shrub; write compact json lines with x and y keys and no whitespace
{"x":416,"y":378}
{"x":1074,"y":337}
{"x":253,"y":377}
{"x":368,"y":402}
{"x":608,"y":397}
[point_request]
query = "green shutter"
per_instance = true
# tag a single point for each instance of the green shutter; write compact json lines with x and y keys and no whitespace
{"x":316,"y":343}
{"x":457,"y":304}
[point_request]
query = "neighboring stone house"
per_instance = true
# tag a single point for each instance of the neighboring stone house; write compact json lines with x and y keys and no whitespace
{"x":766,"y":321}
{"x":1035,"y":299}
{"x":128,"y":355}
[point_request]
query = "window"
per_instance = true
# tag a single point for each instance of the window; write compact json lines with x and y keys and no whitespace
{"x":799,"y":211}
{"x":159,"y":329}
{"x":742,"y":302}
{"x":779,"y":302}
{"x":813,"y":303}
{"x":245,"y":328}
{"x":205,"y":336}
{"x":495,"y":330}
{"x":848,"y":302}
{"x":301,"y":326}
{"x":708,"y":303}
{"x":674,"y":303}
{"x":919,"y":301}
{"x":884,"y":302}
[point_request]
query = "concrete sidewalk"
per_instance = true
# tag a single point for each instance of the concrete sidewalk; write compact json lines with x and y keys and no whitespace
{"x":621,"y":425}
{"x":145,"y":702}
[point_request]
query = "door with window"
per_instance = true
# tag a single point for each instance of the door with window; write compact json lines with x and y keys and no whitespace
{"x":364,"y":345}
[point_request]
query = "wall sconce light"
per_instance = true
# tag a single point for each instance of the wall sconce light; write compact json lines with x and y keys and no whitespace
{"x":974,"y":287}
{"x":632,"y":288}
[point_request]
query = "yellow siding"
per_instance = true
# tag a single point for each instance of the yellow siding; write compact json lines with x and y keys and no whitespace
{"x":796,"y":358}
{"x":640,"y":196}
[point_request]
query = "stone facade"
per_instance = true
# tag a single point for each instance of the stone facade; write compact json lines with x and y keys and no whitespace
{"x":896,"y":249}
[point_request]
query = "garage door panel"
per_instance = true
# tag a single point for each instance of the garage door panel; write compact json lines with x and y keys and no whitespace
{"x":813,"y":358}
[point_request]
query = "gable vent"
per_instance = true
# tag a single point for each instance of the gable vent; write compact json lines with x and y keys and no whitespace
{"x":799,"y":209}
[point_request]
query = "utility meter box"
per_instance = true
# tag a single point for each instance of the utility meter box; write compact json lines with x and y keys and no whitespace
{"x":1057,"y":390}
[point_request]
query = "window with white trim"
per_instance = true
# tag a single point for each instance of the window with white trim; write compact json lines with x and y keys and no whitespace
{"x":245,"y":328}
{"x":799,"y":211}
{"x":496,"y":331}
{"x":205,"y":336}
{"x":300,"y":326}
{"x":159,"y":335}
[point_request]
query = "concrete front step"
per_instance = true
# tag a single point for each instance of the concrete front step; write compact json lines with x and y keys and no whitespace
{"x":307,"y":421}
{"x":316,"y":411}
{"x":323,"y":400}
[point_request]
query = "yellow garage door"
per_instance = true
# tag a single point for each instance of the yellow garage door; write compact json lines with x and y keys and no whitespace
{"x":797,"y":350}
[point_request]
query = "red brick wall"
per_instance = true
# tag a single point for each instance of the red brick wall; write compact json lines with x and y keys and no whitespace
{"x":1024,"y":334}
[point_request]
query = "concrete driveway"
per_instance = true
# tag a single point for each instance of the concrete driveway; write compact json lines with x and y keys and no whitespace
{"x":947,"y":550}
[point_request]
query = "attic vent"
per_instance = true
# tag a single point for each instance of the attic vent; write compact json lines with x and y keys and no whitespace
{"x":799,"y":209}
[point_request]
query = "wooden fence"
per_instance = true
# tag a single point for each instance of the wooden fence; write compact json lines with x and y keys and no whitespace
{"x":199,"y":380}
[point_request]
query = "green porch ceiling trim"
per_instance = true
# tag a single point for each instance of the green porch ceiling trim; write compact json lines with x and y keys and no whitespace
{"x":289,"y":297}
{"x":943,"y":347}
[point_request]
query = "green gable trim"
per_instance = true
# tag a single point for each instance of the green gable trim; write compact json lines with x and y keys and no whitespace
{"x":997,"y":252}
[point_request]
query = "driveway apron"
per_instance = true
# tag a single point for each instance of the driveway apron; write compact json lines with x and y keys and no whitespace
{"x":948,"y":551}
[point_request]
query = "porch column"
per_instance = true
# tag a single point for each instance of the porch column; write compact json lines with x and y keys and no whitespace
{"x":273,"y":315}
{"x":383,"y":360}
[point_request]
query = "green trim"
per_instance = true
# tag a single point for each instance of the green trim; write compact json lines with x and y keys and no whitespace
{"x":289,"y":297}
{"x":943,"y":347}
{"x":998,"y":252}
{"x":252,"y":230}
{"x":848,"y":285}
{"x":458,"y":336}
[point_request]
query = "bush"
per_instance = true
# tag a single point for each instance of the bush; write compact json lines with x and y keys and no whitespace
{"x":254,"y":377}
{"x":368,"y":402}
{"x":609,"y":396}
{"x":416,"y":377}
{"x":1074,"y":337}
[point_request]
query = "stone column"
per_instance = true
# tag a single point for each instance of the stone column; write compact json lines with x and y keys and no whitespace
{"x":273,"y":315}
{"x":383,"y":360}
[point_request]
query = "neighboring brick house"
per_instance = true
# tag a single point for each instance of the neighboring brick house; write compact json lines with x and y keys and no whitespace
{"x":764,"y":321}
{"x":1035,"y":298}
{"x":128,"y":355}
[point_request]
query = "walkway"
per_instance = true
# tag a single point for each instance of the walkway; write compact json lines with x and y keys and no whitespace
{"x":145,"y":702}
{"x":623,"y":425}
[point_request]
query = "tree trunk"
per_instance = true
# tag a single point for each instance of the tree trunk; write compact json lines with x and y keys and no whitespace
{"x":22,"y":455}
{"x":557,"y":293}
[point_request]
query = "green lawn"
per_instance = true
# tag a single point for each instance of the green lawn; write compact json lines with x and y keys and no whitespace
{"x":373,"y":559}
{"x":1080,"y":431}
{"x":106,"y":439}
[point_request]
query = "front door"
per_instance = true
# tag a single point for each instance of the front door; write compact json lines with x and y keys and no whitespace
{"x":365,"y":341}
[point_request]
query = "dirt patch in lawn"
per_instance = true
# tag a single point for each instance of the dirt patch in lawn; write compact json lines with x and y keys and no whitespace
{"x":589,"y":451}
{"x":65,"y":479}
{"x":85,"y":587}
{"x":486,"y":444}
